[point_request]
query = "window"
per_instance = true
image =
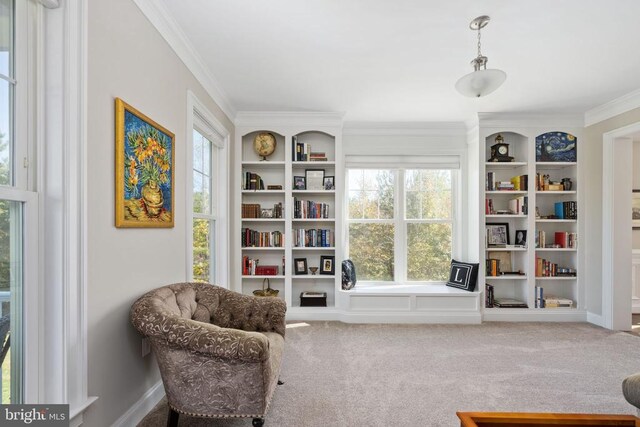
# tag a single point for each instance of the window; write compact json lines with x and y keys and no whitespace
{"x":204,"y":208}
{"x":401,"y":223}
{"x":18,"y":210}
{"x":207,"y":202}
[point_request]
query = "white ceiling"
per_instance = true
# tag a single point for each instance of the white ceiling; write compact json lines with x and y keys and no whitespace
{"x":382,"y":60}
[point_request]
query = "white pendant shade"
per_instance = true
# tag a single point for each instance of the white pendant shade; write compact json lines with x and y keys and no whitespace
{"x":480,"y":83}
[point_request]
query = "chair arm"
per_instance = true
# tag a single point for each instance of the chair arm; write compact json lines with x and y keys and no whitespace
{"x":631,"y":389}
{"x":199,"y":337}
{"x":250,"y":313}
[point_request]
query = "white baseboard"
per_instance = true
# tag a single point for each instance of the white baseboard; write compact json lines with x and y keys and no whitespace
{"x":345,"y":316}
{"x":596,"y":319}
{"x":142,"y":407}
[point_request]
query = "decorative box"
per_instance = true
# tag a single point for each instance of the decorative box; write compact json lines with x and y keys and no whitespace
{"x":313,"y":299}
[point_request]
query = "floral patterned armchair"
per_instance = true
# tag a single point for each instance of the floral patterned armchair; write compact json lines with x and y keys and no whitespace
{"x":219,"y":351}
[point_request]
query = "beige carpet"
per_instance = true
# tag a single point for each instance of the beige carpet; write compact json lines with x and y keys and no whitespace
{"x":419,"y":375}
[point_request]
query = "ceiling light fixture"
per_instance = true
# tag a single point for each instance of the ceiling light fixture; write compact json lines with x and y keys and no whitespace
{"x":481,"y":81}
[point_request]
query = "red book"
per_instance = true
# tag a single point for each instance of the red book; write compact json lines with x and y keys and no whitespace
{"x":561,"y":238}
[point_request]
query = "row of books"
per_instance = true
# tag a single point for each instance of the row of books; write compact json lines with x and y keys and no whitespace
{"x":551,"y":301}
{"x":252,"y":181}
{"x":566,"y":210}
{"x":309,"y":209}
{"x":519,"y":205}
{"x":561,"y":239}
{"x":250,"y":267}
{"x":491,"y":301}
{"x":517,"y":183}
{"x":261,"y":239}
{"x":313,"y":238}
{"x":302,"y":152}
{"x":254,"y":210}
{"x":544,"y":184}
{"x":546,"y":268}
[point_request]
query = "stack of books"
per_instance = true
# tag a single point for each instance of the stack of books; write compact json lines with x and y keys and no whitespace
{"x":509,"y":303}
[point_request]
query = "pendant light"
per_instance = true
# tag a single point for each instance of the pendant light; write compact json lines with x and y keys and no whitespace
{"x":481,"y":81}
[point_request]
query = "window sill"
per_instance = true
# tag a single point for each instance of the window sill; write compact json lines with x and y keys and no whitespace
{"x":408,"y":289}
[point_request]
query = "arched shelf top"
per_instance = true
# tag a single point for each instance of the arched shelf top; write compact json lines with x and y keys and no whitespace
{"x":312,"y":131}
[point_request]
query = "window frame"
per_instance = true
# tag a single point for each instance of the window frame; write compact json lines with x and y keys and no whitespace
{"x":400,"y":221}
{"x":202,"y":120}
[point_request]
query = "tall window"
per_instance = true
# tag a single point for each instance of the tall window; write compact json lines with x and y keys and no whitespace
{"x":204,"y":208}
{"x":18,"y":205}
{"x":401,"y":223}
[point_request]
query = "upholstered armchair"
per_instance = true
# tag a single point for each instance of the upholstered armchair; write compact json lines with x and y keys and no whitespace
{"x":631,"y":390}
{"x":219,"y":351}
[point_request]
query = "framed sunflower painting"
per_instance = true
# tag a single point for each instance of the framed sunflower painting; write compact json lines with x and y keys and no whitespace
{"x":144,"y":170}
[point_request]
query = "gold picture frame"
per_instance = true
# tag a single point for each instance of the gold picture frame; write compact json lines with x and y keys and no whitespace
{"x":144,"y":169}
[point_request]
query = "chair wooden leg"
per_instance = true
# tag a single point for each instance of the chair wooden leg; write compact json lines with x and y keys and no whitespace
{"x":258,"y":422}
{"x":172,"y":421}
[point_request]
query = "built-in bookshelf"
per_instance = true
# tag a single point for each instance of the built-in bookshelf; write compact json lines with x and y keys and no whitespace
{"x":289,"y":212}
{"x":530,"y":224}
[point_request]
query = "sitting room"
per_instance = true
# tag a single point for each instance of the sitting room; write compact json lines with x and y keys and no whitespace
{"x":319,"y":213}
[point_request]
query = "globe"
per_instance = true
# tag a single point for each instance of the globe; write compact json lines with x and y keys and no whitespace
{"x":264,"y":144}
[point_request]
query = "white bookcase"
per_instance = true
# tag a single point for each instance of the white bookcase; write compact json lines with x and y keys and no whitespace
{"x":322,"y":132}
{"x":520,"y":133}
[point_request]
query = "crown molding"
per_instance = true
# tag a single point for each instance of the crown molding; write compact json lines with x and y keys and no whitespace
{"x":612,"y":108}
{"x":288,"y":119}
{"x":530,"y":120}
{"x":405,"y":128}
{"x":157,"y":13}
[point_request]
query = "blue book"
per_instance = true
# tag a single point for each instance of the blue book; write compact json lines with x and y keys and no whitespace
{"x":560,"y":210}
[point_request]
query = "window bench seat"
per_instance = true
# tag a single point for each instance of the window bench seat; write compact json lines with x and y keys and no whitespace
{"x":410,"y":304}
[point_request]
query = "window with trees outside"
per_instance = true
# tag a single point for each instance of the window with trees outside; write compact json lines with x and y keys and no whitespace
{"x":204,"y":207}
{"x":401,"y":223}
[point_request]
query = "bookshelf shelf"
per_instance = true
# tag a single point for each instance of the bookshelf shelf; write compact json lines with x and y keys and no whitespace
{"x":317,"y":248}
{"x":505,"y":165}
{"x":262,"y":192}
{"x":257,"y":248}
{"x":547,"y":192}
{"x":507,"y":192}
{"x":555,"y":165}
{"x":507,"y":277}
{"x":264,"y":164}
{"x":556,"y":220}
{"x":556,"y":249}
{"x":505,"y":249}
{"x":319,"y":134}
{"x":557,"y":278}
{"x":505,"y":216}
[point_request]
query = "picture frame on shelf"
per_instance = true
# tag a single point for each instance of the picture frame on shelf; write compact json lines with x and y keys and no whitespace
{"x":635,"y":209}
{"x":329,"y":182}
{"x":300,"y":266}
{"x":504,"y":260}
{"x":327,"y":265}
{"x":556,"y":147}
{"x":497,"y":234}
{"x":266,"y":213}
{"x":521,"y":238}
{"x":299,"y":183}
{"x":314,"y":179}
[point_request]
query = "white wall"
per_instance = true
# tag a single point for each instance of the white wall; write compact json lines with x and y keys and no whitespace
{"x":591,"y":160}
{"x":636,"y":186}
{"x":129,"y":59}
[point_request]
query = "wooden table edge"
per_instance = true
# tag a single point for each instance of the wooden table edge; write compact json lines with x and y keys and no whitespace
{"x":468,"y":419}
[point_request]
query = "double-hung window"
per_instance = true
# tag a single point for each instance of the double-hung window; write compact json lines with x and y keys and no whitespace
{"x":402,"y":220}
{"x":207,"y":240}
{"x":204,"y":207}
{"x":18,"y":211}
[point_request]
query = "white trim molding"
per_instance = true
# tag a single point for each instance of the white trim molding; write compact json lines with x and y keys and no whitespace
{"x":160,"y":17}
{"x":523,"y":120}
{"x":405,"y":128}
{"x":613,"y":108}
{"x":266,"y":119}
{"x":50,"y":4}
{"x":142,"y":407}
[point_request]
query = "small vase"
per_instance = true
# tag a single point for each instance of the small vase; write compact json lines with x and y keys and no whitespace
{"x":152,"y":198}
{"x":567,"y":184}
